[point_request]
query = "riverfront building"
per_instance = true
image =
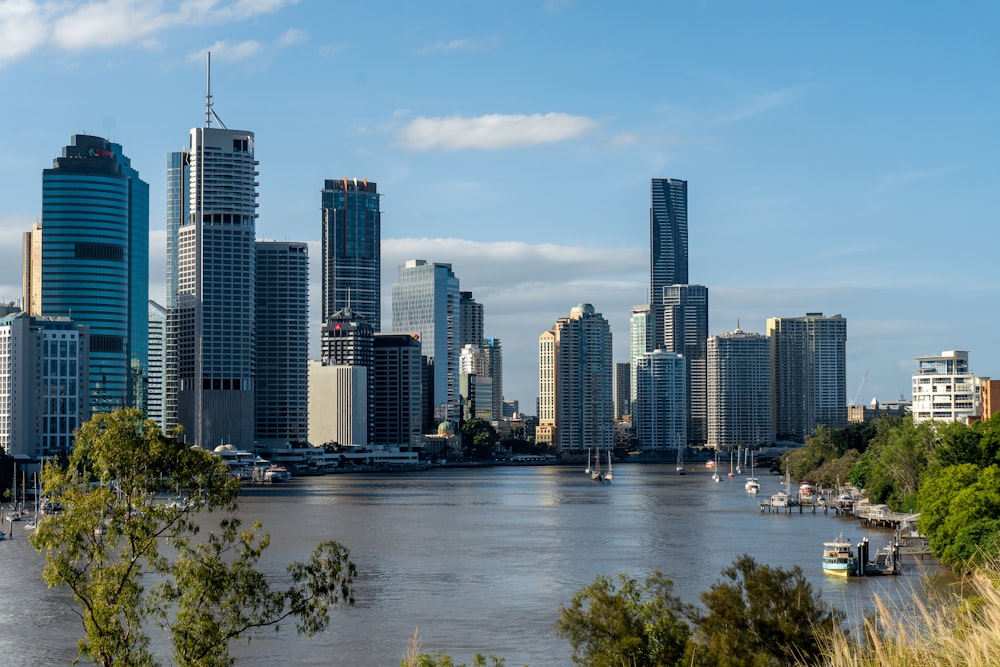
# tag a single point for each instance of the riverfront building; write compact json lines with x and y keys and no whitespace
{"x":338,"y":400}
{"x":739,"y":390}
{"x":574,"y":383}
{"x":945,"y":390}
{"x":397,"y":387}
{"x":44,"y":377}
{"x":668,"y":246}
{"x":352,"y":249}
{"x":211,"y":281}
{"x":622,"y":389}
{"x":425,"y":301}
{"x":347,"y":339}
{"x":88,"y":261}
{"x":659,"y":416}
{"x":685,"y":331}
{"x":641,"y":341}
{"x":470,"y":316}
{"x":808,"y":374}
{"x":281,"y":411}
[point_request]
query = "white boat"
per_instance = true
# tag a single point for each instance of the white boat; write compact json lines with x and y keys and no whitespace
{"x":680,"y":459}
{"x":595,"y":473}
{"x":587,"y":469}
{"x":275,"y":474}
{"x":716,"y":477}
{"x":752,"y":484}
{"x":610,"y":473}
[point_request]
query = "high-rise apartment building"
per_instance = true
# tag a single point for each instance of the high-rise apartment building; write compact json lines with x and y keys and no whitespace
{"x":397,"y":386}
{"x":685,"y":331}
{"x":470,"y":317}
{"x":622,"y":389}
{"x":425,"y":301}
{"x":44,"y":378}
{"x":157,"y":363}
{"x":668,"y":245}
{"x":281,"y":395}
{"x":739,"y":390}
{"x":211,"y":304}
{"x":89,"y":261}
{"x":352,"y":249}
{"x":945,"y":390}
{"x":808,"y":374}
{"x":659,"y":416}
{"x":347,"y":339}
{"x":574,"y":383}
{"x":641,"y":341}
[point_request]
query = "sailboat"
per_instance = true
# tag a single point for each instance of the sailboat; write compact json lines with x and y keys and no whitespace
{"x":680,"y":459}
{"x":31,"y":525}
{"x":730,"y":462}
{"x":610,"y":473}
{"x":752,"y":484}
{"x":715,"y":475}
{"x":595,"y":474}
{"x":16,"y":512}
{"x":587,"y":470}
{"x":739,"y":460}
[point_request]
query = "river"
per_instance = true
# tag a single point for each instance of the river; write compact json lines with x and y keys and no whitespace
{"x":480,"y":559}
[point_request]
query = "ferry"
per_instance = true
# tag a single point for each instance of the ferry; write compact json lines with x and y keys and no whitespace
{"x":839,"y":559}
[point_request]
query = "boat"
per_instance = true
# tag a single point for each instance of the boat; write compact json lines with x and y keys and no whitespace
{"x":587,"y":469}
{"x":739,"y":460}
{"x":715,"y":466}
{"x":730,"y":463}
{"x":680,"y":459}
{"x":752,"y":485}
{"x":839,"y":559}
{"x":609,"y":475}
{"x":277,"y":473}
{"x":16,"y":512}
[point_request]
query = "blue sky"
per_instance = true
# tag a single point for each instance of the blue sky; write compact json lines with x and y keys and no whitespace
{"x":841,"y":157}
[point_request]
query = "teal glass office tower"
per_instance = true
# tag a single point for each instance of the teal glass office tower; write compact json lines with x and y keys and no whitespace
{"x":352,"y":249}
{"x":94,"y":241}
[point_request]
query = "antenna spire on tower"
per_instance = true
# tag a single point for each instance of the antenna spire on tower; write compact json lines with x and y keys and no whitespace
{"x":208,"y":92}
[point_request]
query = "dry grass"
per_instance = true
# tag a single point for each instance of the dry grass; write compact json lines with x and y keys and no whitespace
{"x":961,"y":632}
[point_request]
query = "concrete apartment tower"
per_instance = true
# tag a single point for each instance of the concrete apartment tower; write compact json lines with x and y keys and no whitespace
{"x":574,"y":383}
{"x":659,"y":416}
{"x":352,"y":249}
{"x":89,"y":261}
{"x":211,"y":295}
{"x":739,"y":390}
{"x":808,"y":374}
{"x":685,"y":331}
{"x":425,"y":301}
{"x":157,"y":363}
{"x":945,"y":390}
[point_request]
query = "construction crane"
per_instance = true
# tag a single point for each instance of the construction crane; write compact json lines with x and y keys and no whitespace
{"x":854,"y":401}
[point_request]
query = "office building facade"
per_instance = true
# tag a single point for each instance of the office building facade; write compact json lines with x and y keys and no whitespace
{"x":397,"y":390}
{"x":157,"y":364}
{"x":641,"y":340}
{"x":945,"y":390}
{"x":574,"y":371}
{"x":668,"y":245}
{"x":44,"y":383}
{"x":338,"y":404}
{"x":808,"y":374}
{"x":346,"y":339}
{"x":685,"y":331}
{"x":659,"y":416}
{"x":622,"y":389}
{"x":89,"y":261}
{"x":425,"y":301}
{"x":739,"y":390}
{"x":470,"y":317}
{"x":352,"y":249}
{"x":281,"y":396}
{"x":211,"y":304}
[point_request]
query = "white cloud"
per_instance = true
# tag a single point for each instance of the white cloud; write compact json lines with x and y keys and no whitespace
{"x":491,"y":132}
{"x":226,"y":51}
{"x":464,"y":44}
{"x":293,"y":36}
{"x":26,"y":25}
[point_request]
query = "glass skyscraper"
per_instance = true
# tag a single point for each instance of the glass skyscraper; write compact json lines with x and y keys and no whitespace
{"x":352,"y":249}
{"x":685,"y":331}
{"x":668,"y":244}
{"x":93,"y":250}
{"x":425,"y":301}
{"x":211,"y":260}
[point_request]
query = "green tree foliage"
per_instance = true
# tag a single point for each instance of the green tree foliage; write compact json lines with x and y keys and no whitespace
{"x":958,"y":443}
{"x":609,"y":624}
{"x":960,"y":513}
{"x":479,"y":439}
{"x":759,"y":616}
{"x":891,"y":467}
{"x":109,"y":547}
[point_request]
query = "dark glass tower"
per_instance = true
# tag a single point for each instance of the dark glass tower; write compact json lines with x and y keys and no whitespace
{"x":94,"y":263}
{"x":352,"y":249}
{"x":668,"y":244}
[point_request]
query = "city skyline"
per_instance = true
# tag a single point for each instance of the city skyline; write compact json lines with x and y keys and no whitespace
{"x":820,"y":165}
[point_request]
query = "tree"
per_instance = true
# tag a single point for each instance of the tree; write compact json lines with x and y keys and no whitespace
{"x":960,"y":514}
{"x":105,"y":546}
{"x":479,"y":439}
{"x":759,"y":616}
{"x":611,"y":625}
{"x":891,"y":467}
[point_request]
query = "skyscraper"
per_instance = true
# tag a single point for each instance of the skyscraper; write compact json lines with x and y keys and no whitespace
{"x":640,"y":330}
{"x":398,"y":376}
{"x":93,"y":247}
{"x":211,"y":260}
{"x":808,"y":374}
{"x":739,"y":390}
{"x":157,"y":363}
{"x":668,"y":244}
{"x":685,"y":331}
{"x":622,"y":391}
{"x":574,"y":383}
{"x":659,"y":416}
{"x":352,"y":249}
{"x":470,"y":320}
{"x":347,"y":339}
{"x":425,"y":301}
{"x":281,"y":393}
